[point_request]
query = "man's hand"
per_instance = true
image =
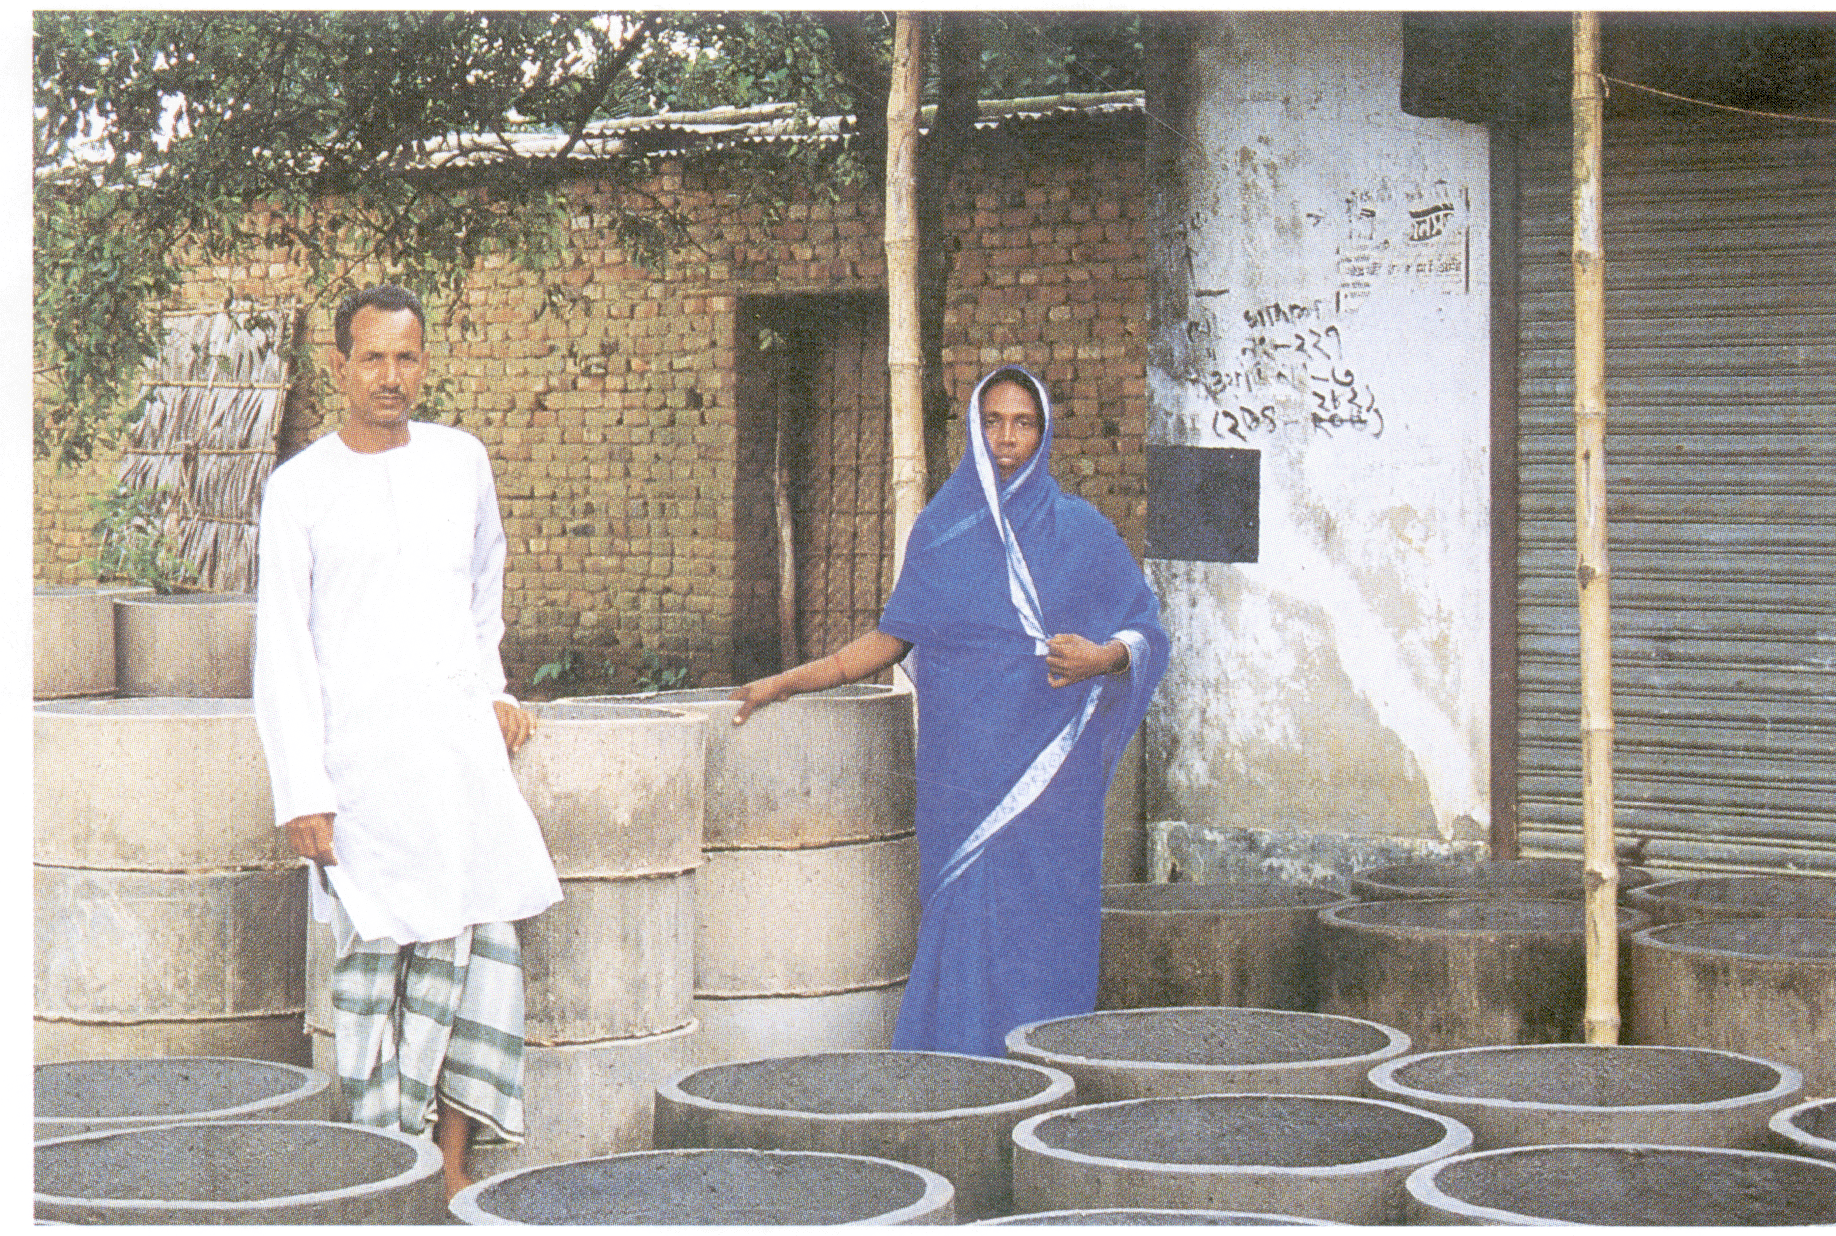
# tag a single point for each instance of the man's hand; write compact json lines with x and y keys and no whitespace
{"x":1072,"y":658}
{"x":311,"y":837}
{"x":516,"y":723}
{"x":758,"y":693}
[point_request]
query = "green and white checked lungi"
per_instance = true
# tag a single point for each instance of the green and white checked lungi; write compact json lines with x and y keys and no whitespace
{"x":441,"y":1015}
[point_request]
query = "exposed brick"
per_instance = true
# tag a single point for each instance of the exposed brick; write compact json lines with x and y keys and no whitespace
{"x":614,"y":426}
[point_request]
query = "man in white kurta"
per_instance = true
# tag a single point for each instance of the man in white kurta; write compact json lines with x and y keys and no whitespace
{"x":379,"y":694}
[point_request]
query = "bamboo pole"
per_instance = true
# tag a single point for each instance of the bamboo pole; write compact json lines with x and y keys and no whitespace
{"x":1600,"y":867}
{"x":903,"y":356}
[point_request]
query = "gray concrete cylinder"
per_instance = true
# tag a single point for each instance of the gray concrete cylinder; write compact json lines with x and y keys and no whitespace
{"x":611,"y":961}
{"x":619,"y":790}
{"x":590,"y":1099}
{"x":1152,"y":1053}
{"x":808,"y":828}
{"x":73,"y":641}
{"x":751,"y":1027}
{"x":827,"y":767}
{"x":608,"y":971}
{"x":946,"y":1112}
{"x":1249,"y":944}
{"x":1558,"y":879}
{"x":95,"y":1096}
{"x":1808,"y":1129}
{"x":1623,"y":1185}
{"x":1328,"y":1157}
{"x":1738,"y":896}
{"x":189,"y":643}
{"x":152,"y":785}
{"x":199,"y":964}
{"x":581,"y":1099}
{"x":802,"y":922}
{"x":711,"y":1188}
{"x":1764,"y":986}
{"x":239,"y":1171}
{"x":1565,"y":1093}
{"x":1460,"y":972}
{"x":614,"y":959}
{"x":1122,"y":1216}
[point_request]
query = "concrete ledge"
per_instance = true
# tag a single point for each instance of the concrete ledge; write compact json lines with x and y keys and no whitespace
{"x":1199,"y":854}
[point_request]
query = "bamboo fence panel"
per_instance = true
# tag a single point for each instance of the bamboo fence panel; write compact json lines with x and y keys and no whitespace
{"x":209,"y":434}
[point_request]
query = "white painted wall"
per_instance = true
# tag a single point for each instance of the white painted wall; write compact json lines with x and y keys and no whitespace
{"x":1337,"y":321}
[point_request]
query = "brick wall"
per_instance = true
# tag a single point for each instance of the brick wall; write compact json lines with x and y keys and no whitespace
{"x":612,"y":425}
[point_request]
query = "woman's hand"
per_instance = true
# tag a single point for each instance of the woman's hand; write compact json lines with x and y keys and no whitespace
{"x":758,"y":693}
{"x":1072,"y":658}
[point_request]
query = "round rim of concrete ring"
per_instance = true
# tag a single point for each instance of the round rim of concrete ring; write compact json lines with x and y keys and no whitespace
{"x":1420,"y":1186}
{"x":938,"y":1191}
{"x":1152,"y":1215}
{"x":1383,"y":1077}
{"x":1512,"y":916}
{"x":1396,"y":1042}
{"x":425,"y":1165}
{"x":1688,"y":937}
{"x":307,"y":1083}
{"x":1455,"y":1137}
{"x":1057,"y":1086}
{"x":1785,"y":1124}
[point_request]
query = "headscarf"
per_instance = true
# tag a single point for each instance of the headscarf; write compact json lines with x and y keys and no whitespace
{"x":1001,"y":566}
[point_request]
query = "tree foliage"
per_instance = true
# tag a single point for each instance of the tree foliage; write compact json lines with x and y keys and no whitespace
{"x":167,"y":136}
{"x":332,"y":139}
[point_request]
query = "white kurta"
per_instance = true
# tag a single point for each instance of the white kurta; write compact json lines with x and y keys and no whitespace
{"x":377,"y":620}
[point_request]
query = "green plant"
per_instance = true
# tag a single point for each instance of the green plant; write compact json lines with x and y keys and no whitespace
{"x":563,"y":671}
{"x":656,"y":675}
{"x":132,"y":541}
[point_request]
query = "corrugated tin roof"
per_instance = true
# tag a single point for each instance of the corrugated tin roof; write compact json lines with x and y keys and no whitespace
{"x":674,"y":133}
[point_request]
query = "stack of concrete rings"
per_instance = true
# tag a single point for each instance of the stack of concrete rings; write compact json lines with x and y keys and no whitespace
{"x":806,"y":913}
{"x":608,"y":970}
{"x":169,"y":913}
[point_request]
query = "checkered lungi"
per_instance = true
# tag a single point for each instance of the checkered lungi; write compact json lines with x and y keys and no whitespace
{"x":441,"y":1015}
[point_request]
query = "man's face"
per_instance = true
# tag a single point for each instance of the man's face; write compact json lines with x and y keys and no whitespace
{"x":1012,"y":423}
{"x":381,"y":378}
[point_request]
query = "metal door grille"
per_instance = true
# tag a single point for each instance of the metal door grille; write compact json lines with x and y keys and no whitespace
{"x":842,"y":486}
{"x":1721,"y":467}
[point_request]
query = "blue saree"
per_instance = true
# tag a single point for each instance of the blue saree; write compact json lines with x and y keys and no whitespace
{"x":1012,"y":772}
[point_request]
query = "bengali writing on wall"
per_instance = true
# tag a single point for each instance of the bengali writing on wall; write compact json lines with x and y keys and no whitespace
{"x":1290,"y":363}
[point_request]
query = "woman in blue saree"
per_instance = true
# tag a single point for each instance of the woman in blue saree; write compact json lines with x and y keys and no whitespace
{"x":1034,"y":643}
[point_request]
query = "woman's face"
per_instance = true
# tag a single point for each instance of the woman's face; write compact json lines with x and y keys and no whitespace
{"x":1012,"y":424}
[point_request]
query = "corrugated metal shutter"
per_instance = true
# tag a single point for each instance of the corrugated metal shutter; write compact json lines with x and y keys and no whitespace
{"x":1721,"y":465}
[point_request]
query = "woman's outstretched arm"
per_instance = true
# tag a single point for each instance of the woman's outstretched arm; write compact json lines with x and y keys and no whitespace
{"x":864,"y":657}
